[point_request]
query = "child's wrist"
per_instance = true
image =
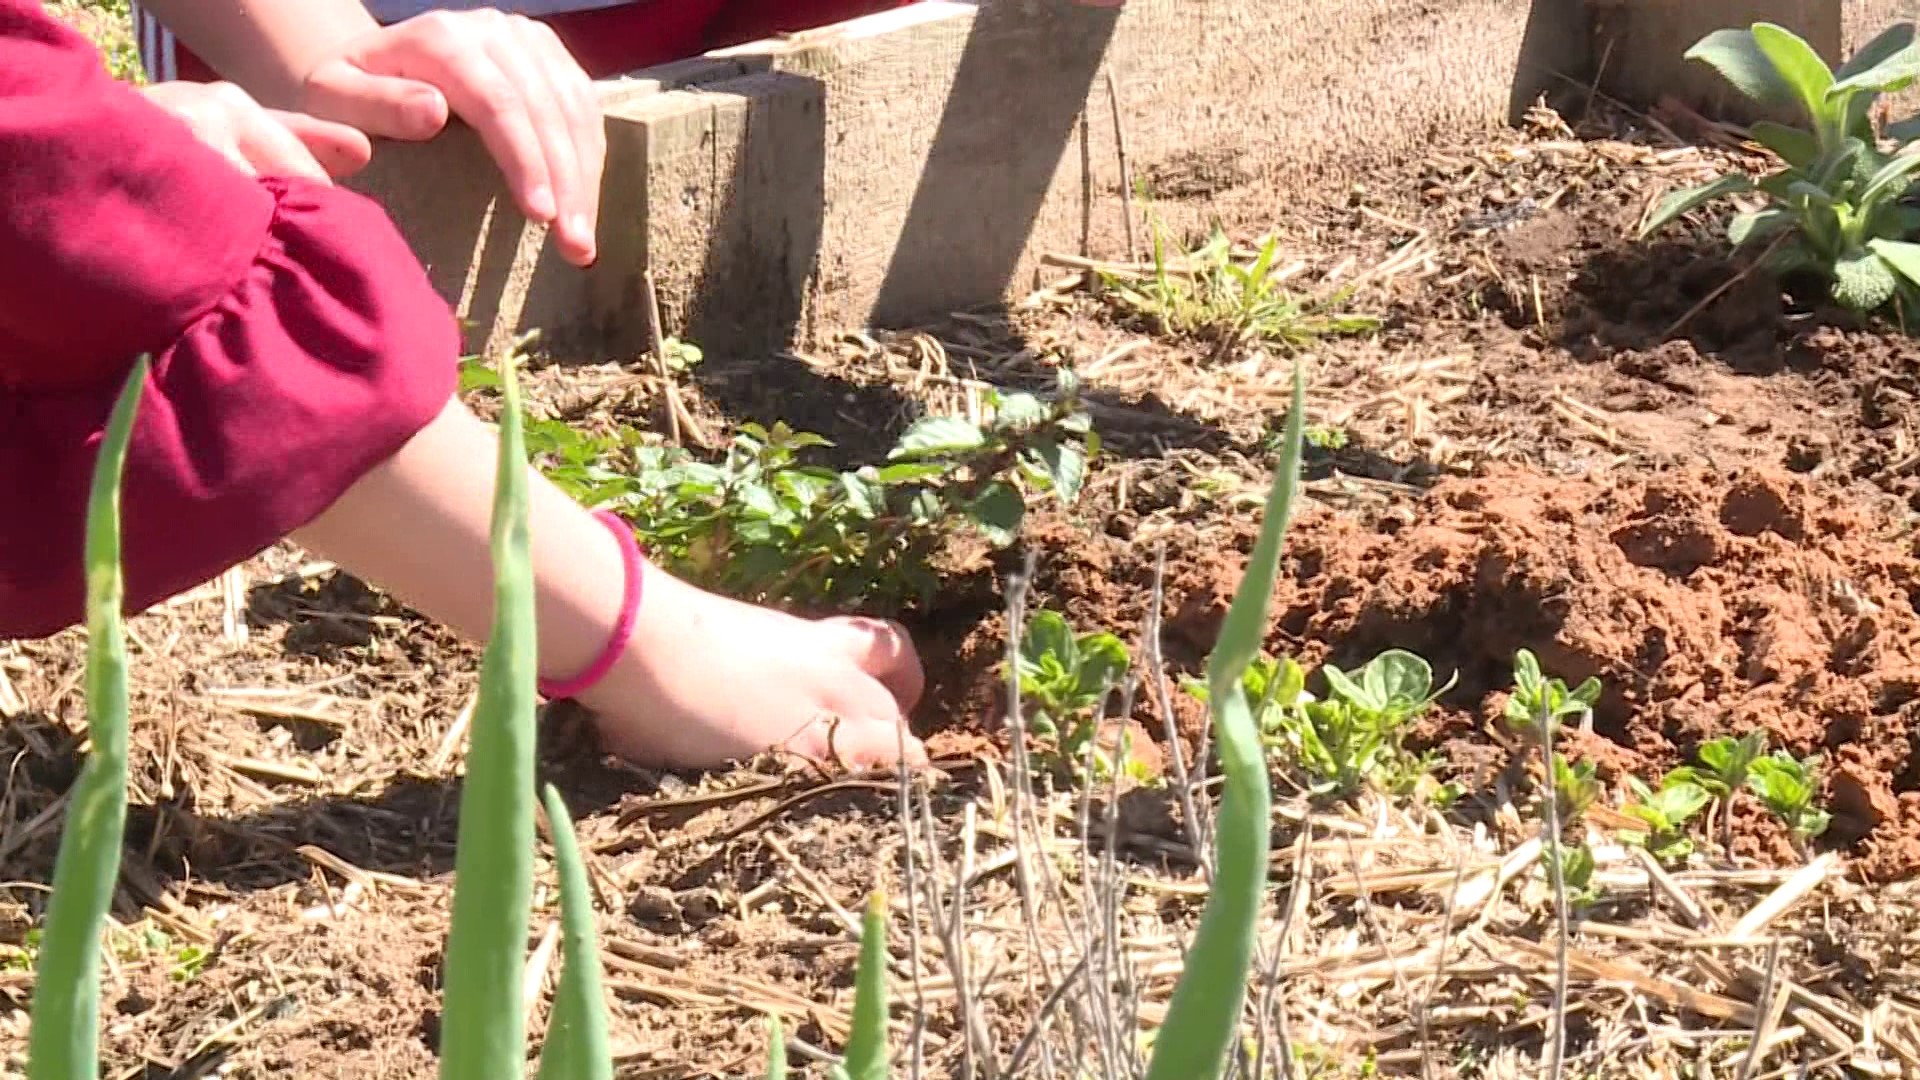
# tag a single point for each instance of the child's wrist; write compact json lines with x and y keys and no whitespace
{"x":633,"y":571}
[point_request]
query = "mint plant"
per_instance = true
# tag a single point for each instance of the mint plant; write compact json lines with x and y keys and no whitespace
{"x":1834,"y":206}
{"x":1790,"y":788}
{"x":763,"y":524}
{"x":1064,"y":679}
{"x":1724,"y":765}
{"x":1537,"y":698}
{"x":1357,"y":735}
{"x":1665,"y":813}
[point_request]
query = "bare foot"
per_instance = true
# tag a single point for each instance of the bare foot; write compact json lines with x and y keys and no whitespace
{"x":708,"y":681}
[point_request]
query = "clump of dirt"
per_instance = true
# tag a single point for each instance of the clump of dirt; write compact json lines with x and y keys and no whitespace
{"x":1707,"y":603}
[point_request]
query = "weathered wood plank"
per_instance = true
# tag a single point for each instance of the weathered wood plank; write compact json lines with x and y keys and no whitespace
{"x":1639,"y":46}
{"x":890,"y":169}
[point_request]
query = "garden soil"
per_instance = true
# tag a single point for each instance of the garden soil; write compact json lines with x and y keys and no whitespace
{"x":1630,"y":459}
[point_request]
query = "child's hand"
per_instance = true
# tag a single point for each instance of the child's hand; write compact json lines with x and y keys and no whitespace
{"x":714,"y":681}
{"x":506,"y":75}
{"x":259,"y":140}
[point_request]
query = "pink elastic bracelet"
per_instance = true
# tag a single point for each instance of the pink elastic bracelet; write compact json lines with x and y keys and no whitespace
{"x":622,"y":627}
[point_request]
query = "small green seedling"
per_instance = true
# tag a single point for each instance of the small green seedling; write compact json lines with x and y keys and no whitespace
{"x":1723,"y":768}
{"x":1212,"y":295}
{"x":1356,"y":736}
{"x":1665,"y":813}
{"x":1065,"y":677}
{"x":1576,"y":785}
{"x":1537,"y":698}
{"x":1835,"y":206}
{"x":1790,"y":788}
{"x":1576,"y":872}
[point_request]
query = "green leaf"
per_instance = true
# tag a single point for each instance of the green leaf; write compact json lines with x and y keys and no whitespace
{"x":577,"y":1047}
{"x":1796,"y":147}
{"x":912,"y":472}
{"x":1799,"y":66}
{"x":1887,"y":64}
{"x":866,"y":1057}
{"x":64,"y":1026}
{"x":776,"y":1049}
{"x":997,"y":513}
{"x":1862,"y":281}
{"x":938,"y":435}
{"x":1047,"y":634}
{"x":1892,"y":179}
{"x":484,"y":1024}
{"x":1019,"y":411}
{"x":1739,"y":59}
{"x":1685,"y":201}
{"x":863,"y":496}
{"x":1400,"y":677}
{"x":1103,"y":662}
{"x":1204,"y":1014}
{"x":1066,"y":466}
{"x":1902,"y":256}
{"x":1746,"y":228}
{"x":476,"y":375}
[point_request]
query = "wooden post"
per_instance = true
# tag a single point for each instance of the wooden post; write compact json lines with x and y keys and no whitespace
{"x":1638,"y":47}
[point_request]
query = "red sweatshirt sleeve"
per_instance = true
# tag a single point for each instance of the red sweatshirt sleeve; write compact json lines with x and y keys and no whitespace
{"x":296,"y":341}
{"x":118,"y":227}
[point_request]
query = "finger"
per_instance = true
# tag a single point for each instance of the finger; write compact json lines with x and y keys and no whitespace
{"x":538,"y":101}
{"x":871,"y":732}
{"x":340,"y":150}
{"x":269,"y":146}
{"x":579,"y":224}
{"x":444,"y":50}
{"x":883,"y":649}
{"x":384,"y":106}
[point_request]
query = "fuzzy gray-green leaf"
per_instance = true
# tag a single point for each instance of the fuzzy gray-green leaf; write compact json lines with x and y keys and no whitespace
{"x":1686,"y":200}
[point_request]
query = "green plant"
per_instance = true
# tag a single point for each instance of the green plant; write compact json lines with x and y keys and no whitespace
{"x":1208,"y":293}
{"x":683,"y":356}
{"x":1354,"y":737}
{"x":1064,"y":677}
{"x":484,"y":1022}
{"x":1834,"y":206}
{"x":1790,"y":788}
{"x":866,"y":1056}
{"x":762,"y":524}
{"x":1576,"y":872}
{"x":1204,"y":1013}
{"x":484,"y":1025}
{"x":63,"y":1039}
{"x":1723,"y":768}
{"x":1537,"y":699}
{"x":1576,"y":785}
{"x":1665,"y":813}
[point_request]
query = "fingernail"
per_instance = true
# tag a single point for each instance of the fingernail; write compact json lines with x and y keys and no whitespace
{"x":540,"y":203}
{"x":582,"y":232}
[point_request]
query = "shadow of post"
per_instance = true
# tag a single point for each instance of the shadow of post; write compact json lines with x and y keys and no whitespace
{"x":1016,"y":101}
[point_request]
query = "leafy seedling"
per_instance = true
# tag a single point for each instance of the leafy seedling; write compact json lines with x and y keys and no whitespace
{"x":1577,"y":787}
{"x":1665,"y":813}
{"x":1576,"y":871}
{"x":1723,"y":768}
{"x":1065,"y":678}
{"x":1790,"y":788}
{"x":1538,"y":700}
{"x":1356,"y":736}
{"x":764,"y":524}
{"x":1213,"y":295}
{"x":1834,"y":207}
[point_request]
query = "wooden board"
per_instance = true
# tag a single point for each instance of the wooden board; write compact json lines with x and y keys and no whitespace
{"x":891,"y":169}
{"x":1639,"y":46}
